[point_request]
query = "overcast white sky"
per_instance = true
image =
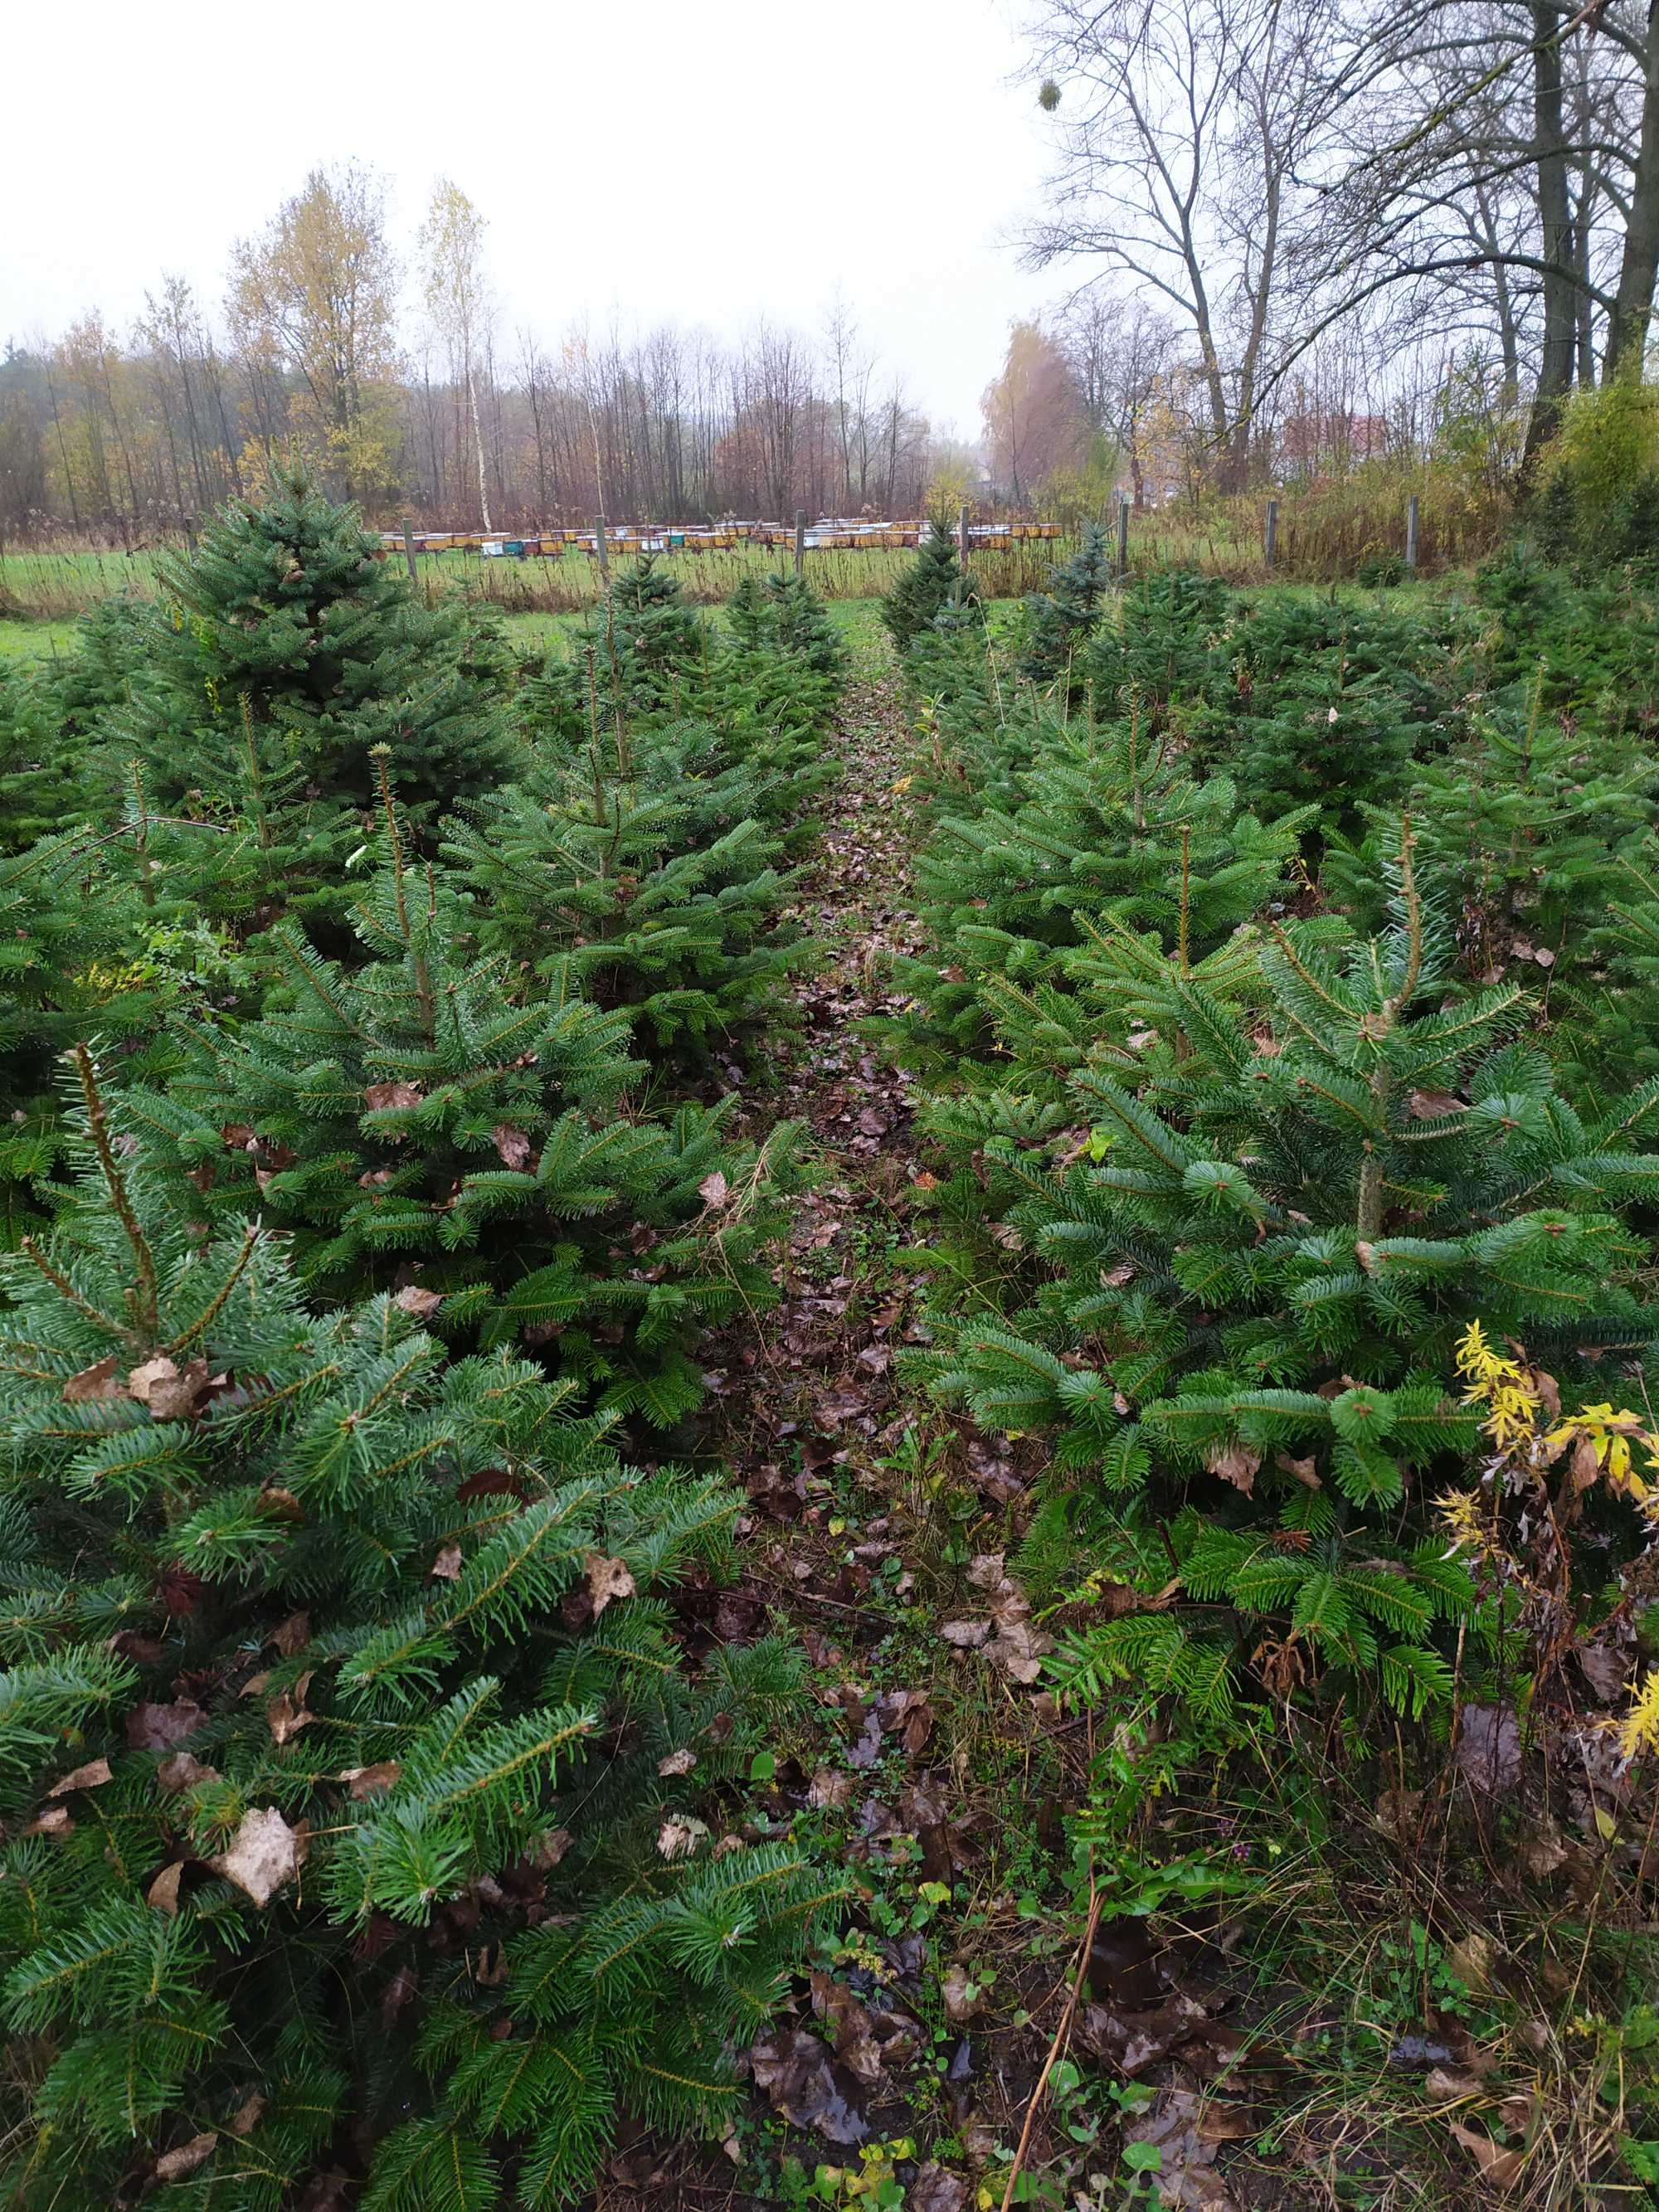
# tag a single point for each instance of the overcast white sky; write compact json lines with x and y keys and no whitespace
{"x":694,"y":161}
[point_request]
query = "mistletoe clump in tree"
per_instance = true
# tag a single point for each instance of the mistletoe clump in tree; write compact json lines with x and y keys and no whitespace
{"x":634,"y":867}
{"x":421,"y":1115}
{"x":1059,"y":623}
{"x":351,"y":1773}
{"x":287,"y":612}
{"x":933,"y":587}
{"x":1245,"y":1293}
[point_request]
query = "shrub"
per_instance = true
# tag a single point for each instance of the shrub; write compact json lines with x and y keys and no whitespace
{"x":416,"y":1120}
{"x":930,"y":588}
{"x":287,"y":607}
{"x":348,"y":1759}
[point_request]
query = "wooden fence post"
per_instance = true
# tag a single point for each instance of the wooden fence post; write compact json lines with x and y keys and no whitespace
{"x":1411,"y":533}
{"x":409,"y":552}
{"x":1122,"y":540}
{"x":800,"y":540}
{"x":962,"y":538}
{"x":604,"y":549}
{"x":1270,"y":537}
{"x":190,"y":535}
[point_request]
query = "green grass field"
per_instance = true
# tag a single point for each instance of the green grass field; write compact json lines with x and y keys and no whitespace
{"x":57,"y":587}
{"x":528,"y":634}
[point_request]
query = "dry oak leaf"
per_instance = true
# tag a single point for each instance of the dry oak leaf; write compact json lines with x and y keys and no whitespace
{"x":607,"y":1578}
{"x":1434,"y":1105}
{"x":92,"y":1775}
{"x":1018,"y":1651}
{"x":153,"y":1726}
{"x":936,"y":2189}
{"x":176,"y":1397}
{"x":966,"y":1635}
{"x":678,"y":1762}
{"x":712,"y":1188}
{"x":178,"y":2165}
{"x":370,"y":1781}
{"x":1500,"y":2167}
{"x":379,"y":1096}
{"x":832,"y":1790}
{"x":54,"y":1822}
{"x":412,"y":1299}
{"x":94,"y":1383}
{"x":1234,"y":1463}
{"x":963,"y":1995}
{"x":248,"y":2114}
{"x":183,"y":1771}
{"x":144,"y":1380}
{"x":1489,"y":1748}
{"x":447,"y":1567}
{"x":265,"y":1854}
{"x":287,"y":1712}
{"x":511,"y":1144}
{"x":291,"y":1635}
{"x":163,"y":1891}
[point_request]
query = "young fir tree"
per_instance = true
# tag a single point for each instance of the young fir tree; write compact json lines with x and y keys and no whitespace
{"x":421,"y":1115}
{"x":1328,"y":735}
{"x":645,"y":655}
{"x":1165,"y":649}
{"x":1059,"y":623}
{"x":101,"y":936}
{"x":1594,"y":648}
{"x":931,"y":587}
{"x":1108,"y":832}
{"x":783,"y":664}
{"x":635,"y":866}
{"x":287,"y":607}
{"x":350,"y":1768}
{"x":1246,"y":1287}
{"x":1525,"y":824}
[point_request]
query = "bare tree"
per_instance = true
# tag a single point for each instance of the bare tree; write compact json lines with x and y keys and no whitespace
{"x":458,"y":299}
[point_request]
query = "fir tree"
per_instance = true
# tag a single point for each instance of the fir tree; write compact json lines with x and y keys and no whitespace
{"x":1059,"y":623}
{"x":416,"y":1116}
{"x":1250,"y":1271}
{"x":349,"y":1763}
{"x":783,"y":664}
{"x":1165,"y":648}
{"x":634,"y":867}
{"x":1106,"y":832}
{"x":932,"y":586}
{"x":287,"y":606}
{"x":1525,"y":825}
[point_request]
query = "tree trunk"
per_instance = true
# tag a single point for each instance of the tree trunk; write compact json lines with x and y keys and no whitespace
{"x":1560,"y":293}
{"x":478,"y":442}
{"x":1627,"y":329}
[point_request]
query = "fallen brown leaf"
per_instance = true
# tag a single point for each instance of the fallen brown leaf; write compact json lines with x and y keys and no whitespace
{"x":265,"y":1855}
{"x":163,"y":1891}
{"x":92,"y":1775}
{"x":607,"y":1578}
{"x":1500,"y":2167}
{"x":371,"y":1781}
{"x":176,"y":2165}
{"x":94,"y":1383}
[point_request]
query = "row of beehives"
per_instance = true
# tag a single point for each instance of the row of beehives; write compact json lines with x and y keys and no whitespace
{"x":654,"y":537}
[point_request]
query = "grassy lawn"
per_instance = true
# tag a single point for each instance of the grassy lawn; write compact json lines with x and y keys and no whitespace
{"x":530,"y":633}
